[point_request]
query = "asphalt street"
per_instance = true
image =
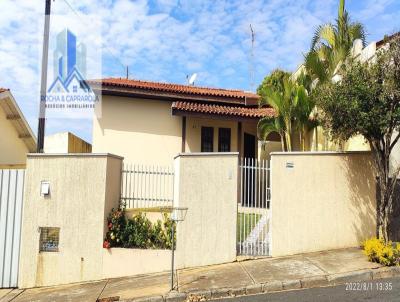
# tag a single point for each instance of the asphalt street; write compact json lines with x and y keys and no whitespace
{"x":384,"y":290}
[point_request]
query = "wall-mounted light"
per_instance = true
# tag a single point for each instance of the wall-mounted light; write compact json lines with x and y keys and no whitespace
{"x":44,"y":188}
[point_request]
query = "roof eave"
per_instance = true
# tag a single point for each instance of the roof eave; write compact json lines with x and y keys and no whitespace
{"x":163,"y":95}
{"x":27,"y":135}
{"x":387,"y":39}
{"x":230,"y":117}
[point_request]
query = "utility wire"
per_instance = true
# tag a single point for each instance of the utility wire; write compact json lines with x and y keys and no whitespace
{"x":103,"y":44}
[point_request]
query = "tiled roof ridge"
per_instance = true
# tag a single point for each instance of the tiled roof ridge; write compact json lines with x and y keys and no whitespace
{"x":191,"y":89}
{"x":174,"y":84}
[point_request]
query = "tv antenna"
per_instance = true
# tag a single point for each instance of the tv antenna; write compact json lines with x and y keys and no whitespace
{"x":191,"y":79}
{"x":251,"y":64}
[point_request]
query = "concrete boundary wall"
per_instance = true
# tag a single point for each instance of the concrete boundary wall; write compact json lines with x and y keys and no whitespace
{"x":83,"y":189}
{"x":321,"y":200}
{"x":121,"y":262}
{"x":207,"y":185}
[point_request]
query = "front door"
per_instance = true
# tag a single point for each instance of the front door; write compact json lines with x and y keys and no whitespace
{"x":249,"y":158}
{"x":249,"y":146}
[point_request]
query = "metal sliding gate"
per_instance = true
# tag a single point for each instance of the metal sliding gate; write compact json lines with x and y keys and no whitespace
{"x":11,"y":196}
{"x":253,"y":221}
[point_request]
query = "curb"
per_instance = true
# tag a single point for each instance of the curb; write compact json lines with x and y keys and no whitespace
{"x":275,"y":286}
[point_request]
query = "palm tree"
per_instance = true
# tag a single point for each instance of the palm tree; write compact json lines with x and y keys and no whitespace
{"x":331,"y":46}
{"x":293,"y":109}
{"x":280,"y":99}
{"x":305,"y":120}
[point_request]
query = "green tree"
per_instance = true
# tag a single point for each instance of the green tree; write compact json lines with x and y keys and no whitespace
{"x":367,"y":101}
{"x":331,"y":46}
{"x":273,"y":81}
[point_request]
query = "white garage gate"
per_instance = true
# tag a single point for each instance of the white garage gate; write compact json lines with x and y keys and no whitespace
{"x":11,"y":197}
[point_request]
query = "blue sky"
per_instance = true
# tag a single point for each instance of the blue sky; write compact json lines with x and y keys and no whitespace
{"x":167,"y":39}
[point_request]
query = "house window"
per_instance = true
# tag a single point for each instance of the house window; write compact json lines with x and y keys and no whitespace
{"x":49,"y":239}
{"x":207,"y":139}
{"x":224,"y":140}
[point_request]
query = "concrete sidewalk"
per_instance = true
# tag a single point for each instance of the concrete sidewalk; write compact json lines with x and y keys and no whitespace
{"x":245,"y":277}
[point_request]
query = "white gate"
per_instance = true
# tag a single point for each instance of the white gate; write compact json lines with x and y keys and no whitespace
{"x":11,"y":196}
{"x":147,"y":186}
{"x":253,"y":221}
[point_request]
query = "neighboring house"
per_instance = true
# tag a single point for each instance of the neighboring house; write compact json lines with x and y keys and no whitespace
{"x":367,"y":54}
{"x":151,"y":122}
{"x":16,"y":138}
{"x":318,"y":139}
{"x":66,"y":142}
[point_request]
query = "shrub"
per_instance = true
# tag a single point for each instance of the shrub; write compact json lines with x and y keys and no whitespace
{"x":385,"y":254}
{"x":138,"y":231}
{"x":168,"y":225}
{"x":116,"y":225}
{"x":162,"y":236}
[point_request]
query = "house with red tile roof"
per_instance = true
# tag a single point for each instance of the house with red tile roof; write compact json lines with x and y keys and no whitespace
{"x":151,"y":122}
{"x":17,"y":138}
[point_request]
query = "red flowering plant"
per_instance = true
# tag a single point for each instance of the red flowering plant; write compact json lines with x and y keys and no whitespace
{"x":116,"y":224}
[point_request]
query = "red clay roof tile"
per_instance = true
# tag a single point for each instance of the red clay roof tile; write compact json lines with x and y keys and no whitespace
{"x":387,"y":39}
{"x":222,"y":109}
{"x":176,"y":88}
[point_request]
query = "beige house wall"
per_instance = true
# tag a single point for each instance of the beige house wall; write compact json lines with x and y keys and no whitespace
{"x":326,"y":201}
{"x":83,"y":189}
{"x":12,"y":148}
{"x":395,"y":158}
{"x":145,"y":131}
{"x":56,"y":143}
{"x":357,"y":143}
{"x":193,"y":132}
{"x":141,"y":130}
{"x":265,"y":148}
{"x":66,"y":142}
{"x":208,"y":188}
{"x":321,"y":142}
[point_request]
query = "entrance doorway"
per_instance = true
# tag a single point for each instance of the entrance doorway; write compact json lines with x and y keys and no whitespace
{"x":249,"y":146}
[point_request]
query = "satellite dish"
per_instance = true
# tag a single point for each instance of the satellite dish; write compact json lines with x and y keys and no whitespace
{"x":192,"y":79}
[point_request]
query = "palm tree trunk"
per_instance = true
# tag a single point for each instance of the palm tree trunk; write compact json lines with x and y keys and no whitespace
{"x":282,"y":135}
{"x":288,"y":142}
{"x":289,"y":135}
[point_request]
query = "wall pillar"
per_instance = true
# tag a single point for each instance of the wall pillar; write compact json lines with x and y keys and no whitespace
{"x":206,"y":183}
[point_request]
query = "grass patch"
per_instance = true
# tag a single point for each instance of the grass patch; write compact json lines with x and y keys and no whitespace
{"x":245,"y":224}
